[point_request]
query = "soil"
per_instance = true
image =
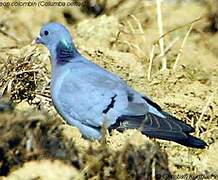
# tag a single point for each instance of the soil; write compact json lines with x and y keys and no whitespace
{"x":35,"y":143}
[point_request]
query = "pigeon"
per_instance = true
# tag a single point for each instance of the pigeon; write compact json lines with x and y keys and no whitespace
{"x":89,"y":97}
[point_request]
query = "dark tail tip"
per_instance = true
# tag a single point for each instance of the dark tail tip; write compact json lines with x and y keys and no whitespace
{"x":193,"y":142}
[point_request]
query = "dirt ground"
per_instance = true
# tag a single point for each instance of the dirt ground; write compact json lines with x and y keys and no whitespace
{"x":119,"y":35}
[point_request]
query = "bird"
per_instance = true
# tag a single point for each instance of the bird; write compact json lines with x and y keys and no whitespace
{"x":90,"y":97}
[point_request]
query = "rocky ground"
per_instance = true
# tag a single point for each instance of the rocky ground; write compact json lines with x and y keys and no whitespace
{"x":119,"y":35}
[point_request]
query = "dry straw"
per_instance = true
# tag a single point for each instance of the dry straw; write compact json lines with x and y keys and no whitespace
{"x":161,"y":40}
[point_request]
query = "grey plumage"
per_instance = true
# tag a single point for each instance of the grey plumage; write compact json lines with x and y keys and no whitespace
{"x":89,"y":97}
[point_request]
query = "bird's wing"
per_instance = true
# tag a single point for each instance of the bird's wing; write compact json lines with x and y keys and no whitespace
{"x":98,"y":98}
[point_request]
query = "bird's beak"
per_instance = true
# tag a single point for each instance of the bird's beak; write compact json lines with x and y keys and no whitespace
{"x":37,"y":40}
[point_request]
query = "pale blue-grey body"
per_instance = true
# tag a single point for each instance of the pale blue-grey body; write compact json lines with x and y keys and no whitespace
{"x":82,"y":90}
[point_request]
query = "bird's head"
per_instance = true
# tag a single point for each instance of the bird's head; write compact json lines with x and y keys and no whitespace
{"x":52,"y":34}
{"x":59,"y":42}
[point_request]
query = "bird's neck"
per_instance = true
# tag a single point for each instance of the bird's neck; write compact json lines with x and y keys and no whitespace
{"x":64,"y":52}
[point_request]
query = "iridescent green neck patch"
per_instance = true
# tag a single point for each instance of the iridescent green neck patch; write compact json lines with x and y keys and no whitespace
{"x":65,"y":52}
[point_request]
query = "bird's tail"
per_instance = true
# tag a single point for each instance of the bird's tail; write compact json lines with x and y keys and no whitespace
{"x":193,"y":142}
{"x":168,"y":128}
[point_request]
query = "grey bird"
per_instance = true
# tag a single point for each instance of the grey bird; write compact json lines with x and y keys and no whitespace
{"x":90,"y":97}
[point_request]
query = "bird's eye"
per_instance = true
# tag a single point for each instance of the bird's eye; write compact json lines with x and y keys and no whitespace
{"x":46,"y":33}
